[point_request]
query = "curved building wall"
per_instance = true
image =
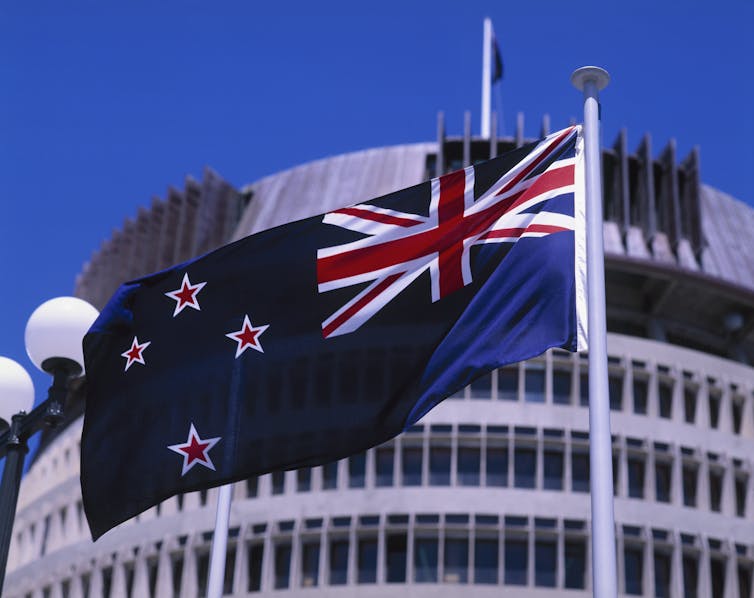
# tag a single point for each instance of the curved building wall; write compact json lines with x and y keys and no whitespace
{"x":490,"y":490}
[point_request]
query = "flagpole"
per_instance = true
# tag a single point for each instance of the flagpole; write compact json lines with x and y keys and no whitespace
{"x":219,"y":543}
{"x":590,"y":80}
{"x":486,"y":78}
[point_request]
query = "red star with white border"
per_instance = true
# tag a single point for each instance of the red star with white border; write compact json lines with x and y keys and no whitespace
{"x":195,"y":450}
{"x":186,"y":295}
{"x":134,"y":354}
{"x":248,"y":336}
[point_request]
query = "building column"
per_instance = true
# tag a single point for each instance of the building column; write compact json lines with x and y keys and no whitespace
{"x":676,"y":567}
{"x":164,"y":584}
{"x":118,"y":584}
{"x":141,"y":574}
{"x":731,"y":573}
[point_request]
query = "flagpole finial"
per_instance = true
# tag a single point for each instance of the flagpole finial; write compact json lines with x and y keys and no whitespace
{"x":581,"y":76}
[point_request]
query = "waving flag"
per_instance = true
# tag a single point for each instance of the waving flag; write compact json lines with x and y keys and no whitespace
{"x":321,"y":338}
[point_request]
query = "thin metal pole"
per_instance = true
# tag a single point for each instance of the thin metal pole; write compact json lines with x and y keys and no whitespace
{"x":219,"y":543}
{"x":14,"y":466}
{"x":486,"y":77}
{"x":591,"y":80}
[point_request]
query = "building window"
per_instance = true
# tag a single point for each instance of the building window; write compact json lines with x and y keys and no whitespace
{"x":456,"y":560}
{"x":635,"y":476}
{"x":633,"y":560}
{"x":553,"y":468}
{"x":641,"y":391}
{"x":310,"y":563}
{"x":744,"y":580}
{"x":690,"y":474}
{"x":411,"y":465}
{"x":689,"y":404}
{"x":176,"y":573}
{"x":545,"y":562}
{"x":439,"y":463}
{"x":469,"y":462}
{"x":425,"y":559}
{"x":717,"y":577}
{"x":662,"y":481}
{"x":507,"y":384}
{"x":575,"y":563}
{"x":525,"y":467}
{"x":579,"y":470}
{"x":666,"y":399}
{"x":615,"y":390}
{"x":534,"y":383}
{"x":497,"y":463}
{"x":304,"y":479}
{"x":282,"y":564}
{"x":742,"y":482}
{"x":516,"y":561}
{"x":254,"y":566}
{"x":330,"y":475}
{"x":662,"y":567}
{"x":384,"y":465}
{"x":485,"y":560}
{"x":481,"y":388}
{"x":338,"y":561}
{"x":278,"y":482}
{"x":690,"y":576}
{"x":395,"y":554}
{"x":584,"y":389}
{"x":715,"y":489}
{"x":714,"y":408}
{"x":357,"y":470}
{"x":737,"y":412}
{"x":367,"y":560}
{"x":561,"y":387}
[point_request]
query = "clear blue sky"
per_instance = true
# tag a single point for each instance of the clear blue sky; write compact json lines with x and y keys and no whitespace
{"x":105,"y":104}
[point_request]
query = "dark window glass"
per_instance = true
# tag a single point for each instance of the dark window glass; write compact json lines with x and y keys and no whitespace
{"x":384,"y":465}
{"x":485,"y":560}
{"x":252,"y":487}
{"x":367,"y":560}
{"x":525,"y":467}
{"x":575,"y":563}
{"x":553,"y":469}
{"x":330,"y":475}
{"x":395,"y":555}
{"x":469,"y":461}
{"x":439,"y":465}
{"x":717,"y":575}
{"x":230,"y":567}
{"x":715,"y":489}
{"x":737,"y":409}
{"x":278,"y":482}
{"x":176,"y":572}
{"x":310,"y":564}
{"x":662,"y":575}
{"x":545,"y":563}
{"x":636,"y":476}
{"x":497,"y":466}
{"x":338,"y":561}
{"x":634,"y":570}
{"x":304,"y":479}
{"x":516,"y":561}
{"x":689,"y":485}
{"x":741,"y":484}
{"x":357,"y":470}
{"x":744,"y":581}
{"x":425,"y":560}
{"x":534,"y":384}
{"x":662,"y":481}
{"x":714,"y":410}
{"x":507,"y":384}
{"x":666,"y":399}
{"x":561,"y":387}
{"x":412,"y":465}
{"x":107,"y":581}
{"x":456,"y":560}
{"x":690,"y":576}
{"x":689,"y":405}
{"x":640,"y":388}
{"x":616,"y":473}
{"x":282,"y":565}
{"x":580,"y":473}
{"x":584,"y":389}
{"x":615,"y":390}
{"x":254,"y":564}
{"x":481,"y":388}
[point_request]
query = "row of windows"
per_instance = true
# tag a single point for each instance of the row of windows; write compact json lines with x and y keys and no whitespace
{"x":431,"y":549}
{"x":641,"y":392}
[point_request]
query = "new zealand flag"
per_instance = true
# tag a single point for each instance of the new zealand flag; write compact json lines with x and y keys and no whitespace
{"x":321,"y":338}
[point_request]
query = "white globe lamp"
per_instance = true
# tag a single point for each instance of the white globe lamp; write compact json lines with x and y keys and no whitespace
{"x":16,"y":389}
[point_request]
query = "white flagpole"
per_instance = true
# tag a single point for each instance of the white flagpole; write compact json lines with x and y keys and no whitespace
{"x":486,"y":78}
{"x":219,"y":543}
{"x":591,"y":80}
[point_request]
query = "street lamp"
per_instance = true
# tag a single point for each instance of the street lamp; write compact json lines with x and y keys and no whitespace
{"x":53,"y":341}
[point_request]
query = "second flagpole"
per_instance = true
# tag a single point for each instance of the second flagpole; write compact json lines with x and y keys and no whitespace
{"x":219,"y":543}
{"x":591,"y":80}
